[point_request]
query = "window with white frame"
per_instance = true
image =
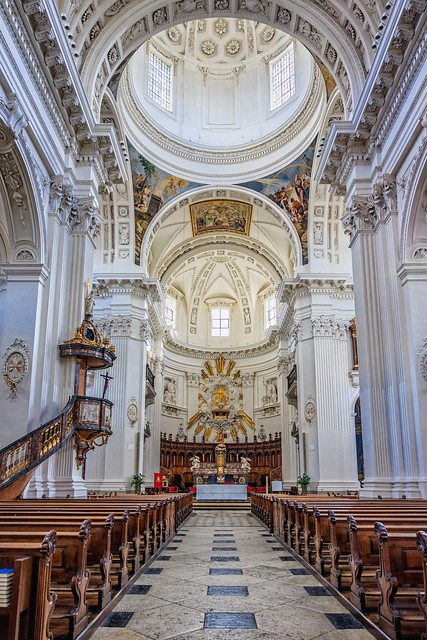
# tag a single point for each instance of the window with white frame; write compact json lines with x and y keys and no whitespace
{"x":282,"y":79}
{"x":220,"y":321}
{"x":271,"y":311}
{"x":160,"y":81}
{"x":170,"y":310}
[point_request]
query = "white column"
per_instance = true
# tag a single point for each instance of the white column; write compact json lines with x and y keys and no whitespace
{"x":336,"y":440}
{"x":389,"y":438}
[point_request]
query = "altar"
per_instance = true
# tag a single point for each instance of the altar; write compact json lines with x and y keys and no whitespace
{"x":219,"y":480}
{"x":222,"y":492}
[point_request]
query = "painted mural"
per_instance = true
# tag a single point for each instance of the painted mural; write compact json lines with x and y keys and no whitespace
{"x":221,"y":215}
{"x":289,"y":188}
{"x":152,"y":188}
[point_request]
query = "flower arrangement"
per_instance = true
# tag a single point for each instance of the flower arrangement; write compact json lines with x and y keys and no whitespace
{"x":304,"y":480}
{"x":137,"y":482}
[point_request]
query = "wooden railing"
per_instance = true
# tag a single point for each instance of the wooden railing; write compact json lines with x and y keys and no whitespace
{"x":26,"y":453}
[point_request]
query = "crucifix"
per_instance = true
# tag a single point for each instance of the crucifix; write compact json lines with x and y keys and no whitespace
{"x":107,"y":379}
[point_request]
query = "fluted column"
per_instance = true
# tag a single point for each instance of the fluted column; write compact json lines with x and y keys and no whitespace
{"x":389,"y":438}
{"x":331,"y":410}
{"x":289,"y":417}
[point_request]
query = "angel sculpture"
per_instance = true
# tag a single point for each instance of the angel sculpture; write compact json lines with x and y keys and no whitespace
{"x":195,"y":463}
{"x":246,"y":464}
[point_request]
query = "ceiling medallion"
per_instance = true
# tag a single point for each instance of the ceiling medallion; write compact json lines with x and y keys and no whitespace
{"x":233,"y":47}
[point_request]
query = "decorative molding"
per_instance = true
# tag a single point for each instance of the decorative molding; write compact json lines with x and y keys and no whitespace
{"x":243,"y":154}
{"x":330,"y":327}
{"x":15,"y":365}
{"x":117,"y":326}
{"x":422,"y":355}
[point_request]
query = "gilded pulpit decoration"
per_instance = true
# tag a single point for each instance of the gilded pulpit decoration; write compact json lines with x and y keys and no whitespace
{"x":220,"y":402}
{"x":353,"y":332}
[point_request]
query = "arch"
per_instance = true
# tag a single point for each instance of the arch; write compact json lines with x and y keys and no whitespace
{"x":202,"y":192}
{"x":414,"y":204}
{"x":22,"y":224}
{"x":331,"y":32}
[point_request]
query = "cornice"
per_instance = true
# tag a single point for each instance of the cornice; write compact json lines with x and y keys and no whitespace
{"x":392,"y":74}
{"x":335,"y":285}
{"x":193,"y":351}
{"x":138,"y":285}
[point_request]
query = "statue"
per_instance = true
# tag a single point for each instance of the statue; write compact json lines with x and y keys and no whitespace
{"x":169,"y":396}
{"x":246,"y":464}
{"x":270,"y":392}
{"x":195,"y":463}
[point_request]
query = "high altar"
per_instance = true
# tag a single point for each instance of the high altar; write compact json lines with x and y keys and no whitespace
{"x":220,"y":412}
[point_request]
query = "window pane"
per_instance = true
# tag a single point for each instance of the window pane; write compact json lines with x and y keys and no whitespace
{"x":159,"y":81}
{"x":282,"y":79}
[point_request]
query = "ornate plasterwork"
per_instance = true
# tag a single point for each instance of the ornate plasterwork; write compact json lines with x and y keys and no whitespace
{"x":15,"y":365}
{"x":266,"y":346}
{"x":351,"y":144}
{"x":304,"y":122}
{"x":349,"y":34}
{"x":422,"y":354}
{"x":330,"y":327}
{"x":117,"y":326}
{"x":59,"y":64}
{"x":364,"y":213}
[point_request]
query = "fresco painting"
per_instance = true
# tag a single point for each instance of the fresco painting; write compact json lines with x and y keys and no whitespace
{"x":289,"y":188}
{"x":221,"y":215}
{"x":152,"y":188}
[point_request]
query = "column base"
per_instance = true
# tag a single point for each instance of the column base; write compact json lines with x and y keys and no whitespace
{"x":335,"y":486}
{"x":103,"y":486}
{"x":387,"y":488}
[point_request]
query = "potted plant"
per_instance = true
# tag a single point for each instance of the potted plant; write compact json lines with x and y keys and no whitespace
{"x":137,"y":482}
{"x":304,"y":481}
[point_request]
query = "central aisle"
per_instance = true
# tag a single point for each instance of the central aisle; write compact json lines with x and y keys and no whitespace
{"x":223,"y":577}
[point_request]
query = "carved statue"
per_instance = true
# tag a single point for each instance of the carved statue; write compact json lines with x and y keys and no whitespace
{"x":195,"y":463}
{"x":169,"y":396}
{"x":246,"y":464}
{"x":90,"y":303}
{"x":270,"y":392}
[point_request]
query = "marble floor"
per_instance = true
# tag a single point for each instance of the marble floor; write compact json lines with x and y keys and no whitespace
{"x":223,"y":577}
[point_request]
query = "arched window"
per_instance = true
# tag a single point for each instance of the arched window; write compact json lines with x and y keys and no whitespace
{"x":159,"y":81}
{"x":282,"y":79}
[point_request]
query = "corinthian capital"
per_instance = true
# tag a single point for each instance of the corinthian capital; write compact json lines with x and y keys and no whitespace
{"x":361,"y":215}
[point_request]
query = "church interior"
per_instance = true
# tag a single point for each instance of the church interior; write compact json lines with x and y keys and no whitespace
{"x":213,"y":302}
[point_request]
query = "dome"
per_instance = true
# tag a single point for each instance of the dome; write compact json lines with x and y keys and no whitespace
{"x":219,"y":123}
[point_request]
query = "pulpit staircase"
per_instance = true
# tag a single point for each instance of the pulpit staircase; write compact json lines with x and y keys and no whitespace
{"x":85,"y":418}
{"x":19,"y":460}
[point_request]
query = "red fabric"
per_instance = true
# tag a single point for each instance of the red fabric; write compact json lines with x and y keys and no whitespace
{"x":251,"y":489}
{"x":172,"y":489}
{"x":261,"y":489}
{"x":193,"y":489}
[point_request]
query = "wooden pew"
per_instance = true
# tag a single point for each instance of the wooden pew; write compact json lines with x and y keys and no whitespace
{"x":40,"y":601}
{"x":398,"y":578}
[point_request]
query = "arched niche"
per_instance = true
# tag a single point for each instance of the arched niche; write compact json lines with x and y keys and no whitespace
{"x":21,"y":217}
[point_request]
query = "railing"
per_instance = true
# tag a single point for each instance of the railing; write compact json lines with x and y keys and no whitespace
{"x":30,"y":450}
{"x":149,"y":376}
{"x":292,"y":377}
